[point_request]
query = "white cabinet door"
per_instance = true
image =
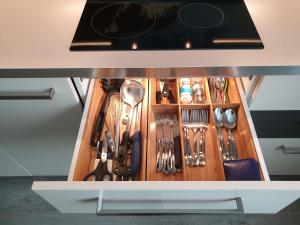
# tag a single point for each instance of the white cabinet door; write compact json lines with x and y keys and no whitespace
{"x":282,"y":155}
{"x":168,"y":197}
{"x":37,"y":136}
{"x":277,"y":93}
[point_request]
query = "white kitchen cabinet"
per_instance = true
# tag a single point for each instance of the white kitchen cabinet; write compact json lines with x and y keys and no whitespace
{"x":282,"y":155}
{"x":275,"y":109}
{"x":106,"y":197}
{"x":37,"y":131}
{"x":276,"y":93}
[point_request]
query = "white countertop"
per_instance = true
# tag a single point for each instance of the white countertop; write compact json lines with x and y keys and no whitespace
{"x":38,"y":33}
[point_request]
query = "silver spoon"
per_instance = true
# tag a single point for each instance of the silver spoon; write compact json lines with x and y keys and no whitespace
{"x":230,"y":124}
{"x":220,"y":83}
{"x":219,"y":121}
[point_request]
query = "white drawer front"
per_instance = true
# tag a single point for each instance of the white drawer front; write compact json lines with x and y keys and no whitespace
{"x":282,"y":155}
{"x":168,"y":197}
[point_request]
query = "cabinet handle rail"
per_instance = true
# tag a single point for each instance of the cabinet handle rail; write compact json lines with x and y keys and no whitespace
{"x":164,"y":206}
{"x":48,"y":95}
{"x":289,"y":150}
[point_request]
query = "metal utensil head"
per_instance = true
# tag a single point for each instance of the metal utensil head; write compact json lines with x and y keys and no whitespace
{"x":230,"y":119}
{"x":220,"y":83}
{"x":219,"y":117}
{"x":132,"y":92}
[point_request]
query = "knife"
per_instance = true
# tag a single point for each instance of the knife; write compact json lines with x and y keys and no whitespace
{"x":159,"y":143}
{"x":177,"y":146}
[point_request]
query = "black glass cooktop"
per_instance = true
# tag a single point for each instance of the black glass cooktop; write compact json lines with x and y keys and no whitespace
{"x":165,"y":25}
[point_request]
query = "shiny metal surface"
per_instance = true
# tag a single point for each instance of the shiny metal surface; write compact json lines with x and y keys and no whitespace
{"x":47,"y":95}
{"x":230,"y":123}
{"x":238,"y":71}
{"x":219,"y":122}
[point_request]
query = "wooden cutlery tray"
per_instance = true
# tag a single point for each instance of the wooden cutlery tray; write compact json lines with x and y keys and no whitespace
{"x":213,"y":170}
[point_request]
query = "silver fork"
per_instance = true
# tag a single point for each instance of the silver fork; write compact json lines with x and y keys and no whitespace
{"x":195,"y":120}
{"x":172,"y":160}
{"x":166,"y":148}
{"x":203,"y":128}
{"x":187,"y":149}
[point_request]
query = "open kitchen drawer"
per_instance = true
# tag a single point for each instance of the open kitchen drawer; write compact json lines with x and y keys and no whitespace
{"x":194,"y":190}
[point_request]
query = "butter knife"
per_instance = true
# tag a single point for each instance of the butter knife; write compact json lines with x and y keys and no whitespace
{"x":177,"y":146}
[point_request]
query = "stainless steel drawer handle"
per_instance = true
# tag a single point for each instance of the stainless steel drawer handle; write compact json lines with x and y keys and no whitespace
{"x":290,"y":150}
{"x":49,"y":94}
{"x":167,"y":206}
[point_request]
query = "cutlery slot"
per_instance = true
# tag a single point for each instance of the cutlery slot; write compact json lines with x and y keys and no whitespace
{"x":203,"y":83}
{"x":241,"y":133}
{"x":232,"y":92}
{"x":152,"y":174}
{"x":87,"y":154}
{"x":212,"y":171}
{"x":165,"y":91}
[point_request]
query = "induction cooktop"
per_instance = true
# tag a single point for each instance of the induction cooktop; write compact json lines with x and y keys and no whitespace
{"x":165,"y":25}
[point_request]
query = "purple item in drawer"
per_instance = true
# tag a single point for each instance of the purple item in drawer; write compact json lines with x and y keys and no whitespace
{"x":242,"y":170}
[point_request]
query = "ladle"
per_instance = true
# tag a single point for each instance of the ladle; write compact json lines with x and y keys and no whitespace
{"x":132,"y":93}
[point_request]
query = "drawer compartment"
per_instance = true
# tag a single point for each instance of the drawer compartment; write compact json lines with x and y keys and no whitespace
{"x":213,"y":169}
{"x":84,"y":160}
{"x":194,"y":190}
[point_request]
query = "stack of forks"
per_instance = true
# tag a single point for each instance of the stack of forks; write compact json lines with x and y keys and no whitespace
{"x":165,"y":158}
{"x":196,"y":120}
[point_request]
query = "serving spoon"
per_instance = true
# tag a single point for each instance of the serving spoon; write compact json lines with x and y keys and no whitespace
{"x":230,"y":124}
{"x":219,"y":121}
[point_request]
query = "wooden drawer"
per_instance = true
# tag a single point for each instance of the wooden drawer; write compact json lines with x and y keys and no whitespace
{"x":188,"y":192}
{"x":282,"y":155}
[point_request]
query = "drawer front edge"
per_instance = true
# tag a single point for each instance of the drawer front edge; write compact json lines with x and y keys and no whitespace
{"x":81,"y":130}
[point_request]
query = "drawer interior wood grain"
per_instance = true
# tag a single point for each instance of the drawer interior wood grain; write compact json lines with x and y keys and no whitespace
{"x":212,"y":171}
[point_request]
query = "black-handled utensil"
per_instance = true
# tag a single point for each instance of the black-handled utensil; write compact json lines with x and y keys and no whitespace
{"x":177,"y":152}
{"x":177,"y":146}
{"x":136,"y":150}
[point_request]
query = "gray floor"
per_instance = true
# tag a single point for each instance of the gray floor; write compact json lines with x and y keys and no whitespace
{"x":19,"y":205}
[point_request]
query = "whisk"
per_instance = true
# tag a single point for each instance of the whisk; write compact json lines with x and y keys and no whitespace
{"x":116,"y":111}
